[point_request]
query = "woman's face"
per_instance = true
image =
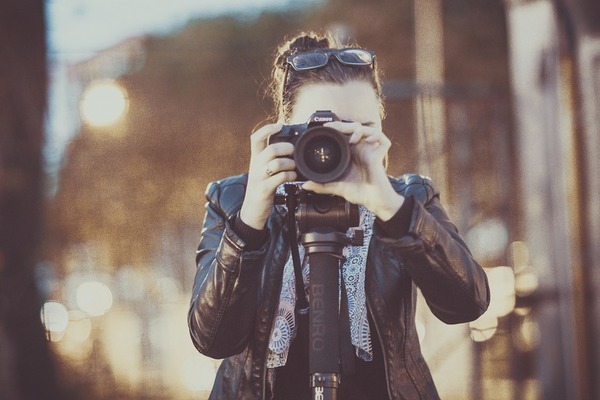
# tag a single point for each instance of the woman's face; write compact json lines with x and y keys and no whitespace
{"x":352,"y":101}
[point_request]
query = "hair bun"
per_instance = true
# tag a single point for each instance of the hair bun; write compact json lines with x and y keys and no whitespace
{"x":302,"y":42}
{"x":307,"y":43}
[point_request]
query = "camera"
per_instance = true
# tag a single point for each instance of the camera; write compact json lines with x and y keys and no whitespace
{"x":322,"y":154}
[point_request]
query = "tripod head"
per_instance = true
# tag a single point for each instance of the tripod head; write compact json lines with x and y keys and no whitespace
{"x":321,"y":212}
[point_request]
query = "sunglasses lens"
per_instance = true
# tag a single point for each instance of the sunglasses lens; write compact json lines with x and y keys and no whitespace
{"x":309,"y":61}
{"x":317,"y":59}
{"x":355,"y":57}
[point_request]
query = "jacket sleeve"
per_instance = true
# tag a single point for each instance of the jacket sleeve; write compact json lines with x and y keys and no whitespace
{"x":226,"y":286}
{"x":452,"y":282}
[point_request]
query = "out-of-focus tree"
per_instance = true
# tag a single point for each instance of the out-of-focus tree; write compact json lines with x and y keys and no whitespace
{"x":192,"y":108}
{"x":26,"y":366}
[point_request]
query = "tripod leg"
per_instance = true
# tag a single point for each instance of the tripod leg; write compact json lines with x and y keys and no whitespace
{"x":324,"y":348}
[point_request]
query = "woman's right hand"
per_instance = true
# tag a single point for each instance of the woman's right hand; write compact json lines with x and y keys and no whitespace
{"x":270,"y":166}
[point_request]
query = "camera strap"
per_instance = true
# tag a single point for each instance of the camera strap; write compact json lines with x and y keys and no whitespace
{"x":290,"y":202}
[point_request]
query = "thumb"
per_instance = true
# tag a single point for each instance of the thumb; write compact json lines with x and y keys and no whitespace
{"x":322,"y":188}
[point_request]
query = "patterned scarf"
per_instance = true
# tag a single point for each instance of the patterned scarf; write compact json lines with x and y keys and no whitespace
{"x":353,"y":273}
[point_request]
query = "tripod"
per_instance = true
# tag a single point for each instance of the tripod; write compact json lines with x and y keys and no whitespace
{"x":323,"y":221}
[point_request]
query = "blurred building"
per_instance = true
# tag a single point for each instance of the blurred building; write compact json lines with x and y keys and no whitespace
{"x":555,"y":75}
{"x":536,"y":227}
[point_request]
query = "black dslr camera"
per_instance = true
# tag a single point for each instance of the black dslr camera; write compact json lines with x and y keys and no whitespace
{"x":322,"y":154}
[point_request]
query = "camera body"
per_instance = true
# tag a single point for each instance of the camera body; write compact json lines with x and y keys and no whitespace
{"x":322,"y":154}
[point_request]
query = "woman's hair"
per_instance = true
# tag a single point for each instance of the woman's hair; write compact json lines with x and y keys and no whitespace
{"x":284,"y":87}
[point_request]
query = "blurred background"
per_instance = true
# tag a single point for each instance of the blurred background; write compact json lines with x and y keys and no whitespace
{"x":115,"y":115}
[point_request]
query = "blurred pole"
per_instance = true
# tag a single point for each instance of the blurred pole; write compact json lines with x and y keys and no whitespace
{"x":545,"y":144}
{"x":446,"y":348}
{"x":586,"y":14}
{"x":26,"y":367}
{"x":589,"y":69}
{"x":430,"y":105}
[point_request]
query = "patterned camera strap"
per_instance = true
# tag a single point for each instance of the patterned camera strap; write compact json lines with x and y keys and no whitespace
{"x":353,"y":273}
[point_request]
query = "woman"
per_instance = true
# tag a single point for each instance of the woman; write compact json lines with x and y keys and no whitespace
{"x":244,"y":295}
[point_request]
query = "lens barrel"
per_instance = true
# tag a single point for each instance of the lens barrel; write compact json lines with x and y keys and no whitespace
{"x":322,"y":154}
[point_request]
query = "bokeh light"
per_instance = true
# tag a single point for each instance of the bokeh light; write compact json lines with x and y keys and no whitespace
{"x":527,"y":335}
{"x":76,"y":344}
{"x":55,"y":317}
{"x":526,"y":283}
{"x":94,"y":298}
{"x":484,"y":327}
{"x":122,"y":345}
{"x":502,"y":289}
{"x":519,"y":253}
{"x":103,"y":103}
{"x":488,"y":239}
{"x":502,"y":303}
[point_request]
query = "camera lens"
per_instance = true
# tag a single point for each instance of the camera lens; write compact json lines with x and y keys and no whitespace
{"x":322,"y":154}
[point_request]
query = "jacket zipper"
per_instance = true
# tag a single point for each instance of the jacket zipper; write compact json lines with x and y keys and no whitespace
{"x":383,"y":352}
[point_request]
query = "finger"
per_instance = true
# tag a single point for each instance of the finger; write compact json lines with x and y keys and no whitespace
{"x":372,"y":139}
{"x":344,"y":127}
{"x":323,"y":188}
{"x":356,"y":130}
{"x":282,"y":149}
{"x":380,"y":139}
{"x":280,"y":164}
{"x":313,"y":186}
{"x":258,"y":140}
{"x":282,"y":177}
{"x":357,"y":136}
{"x":376,"y":136}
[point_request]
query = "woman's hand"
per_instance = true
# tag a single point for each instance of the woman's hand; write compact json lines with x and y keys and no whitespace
{"x":366,"y":182}
{"x":270,"y":166}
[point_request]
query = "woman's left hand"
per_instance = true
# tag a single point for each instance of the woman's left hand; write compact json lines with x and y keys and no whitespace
{"x":366,"y":182}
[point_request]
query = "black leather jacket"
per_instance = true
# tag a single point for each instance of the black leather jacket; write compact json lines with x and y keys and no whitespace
{"x":236,"y":292}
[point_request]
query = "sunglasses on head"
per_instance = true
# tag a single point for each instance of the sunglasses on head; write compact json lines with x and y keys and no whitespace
{"x":304,"y":61}
{"x":313,"y":59}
